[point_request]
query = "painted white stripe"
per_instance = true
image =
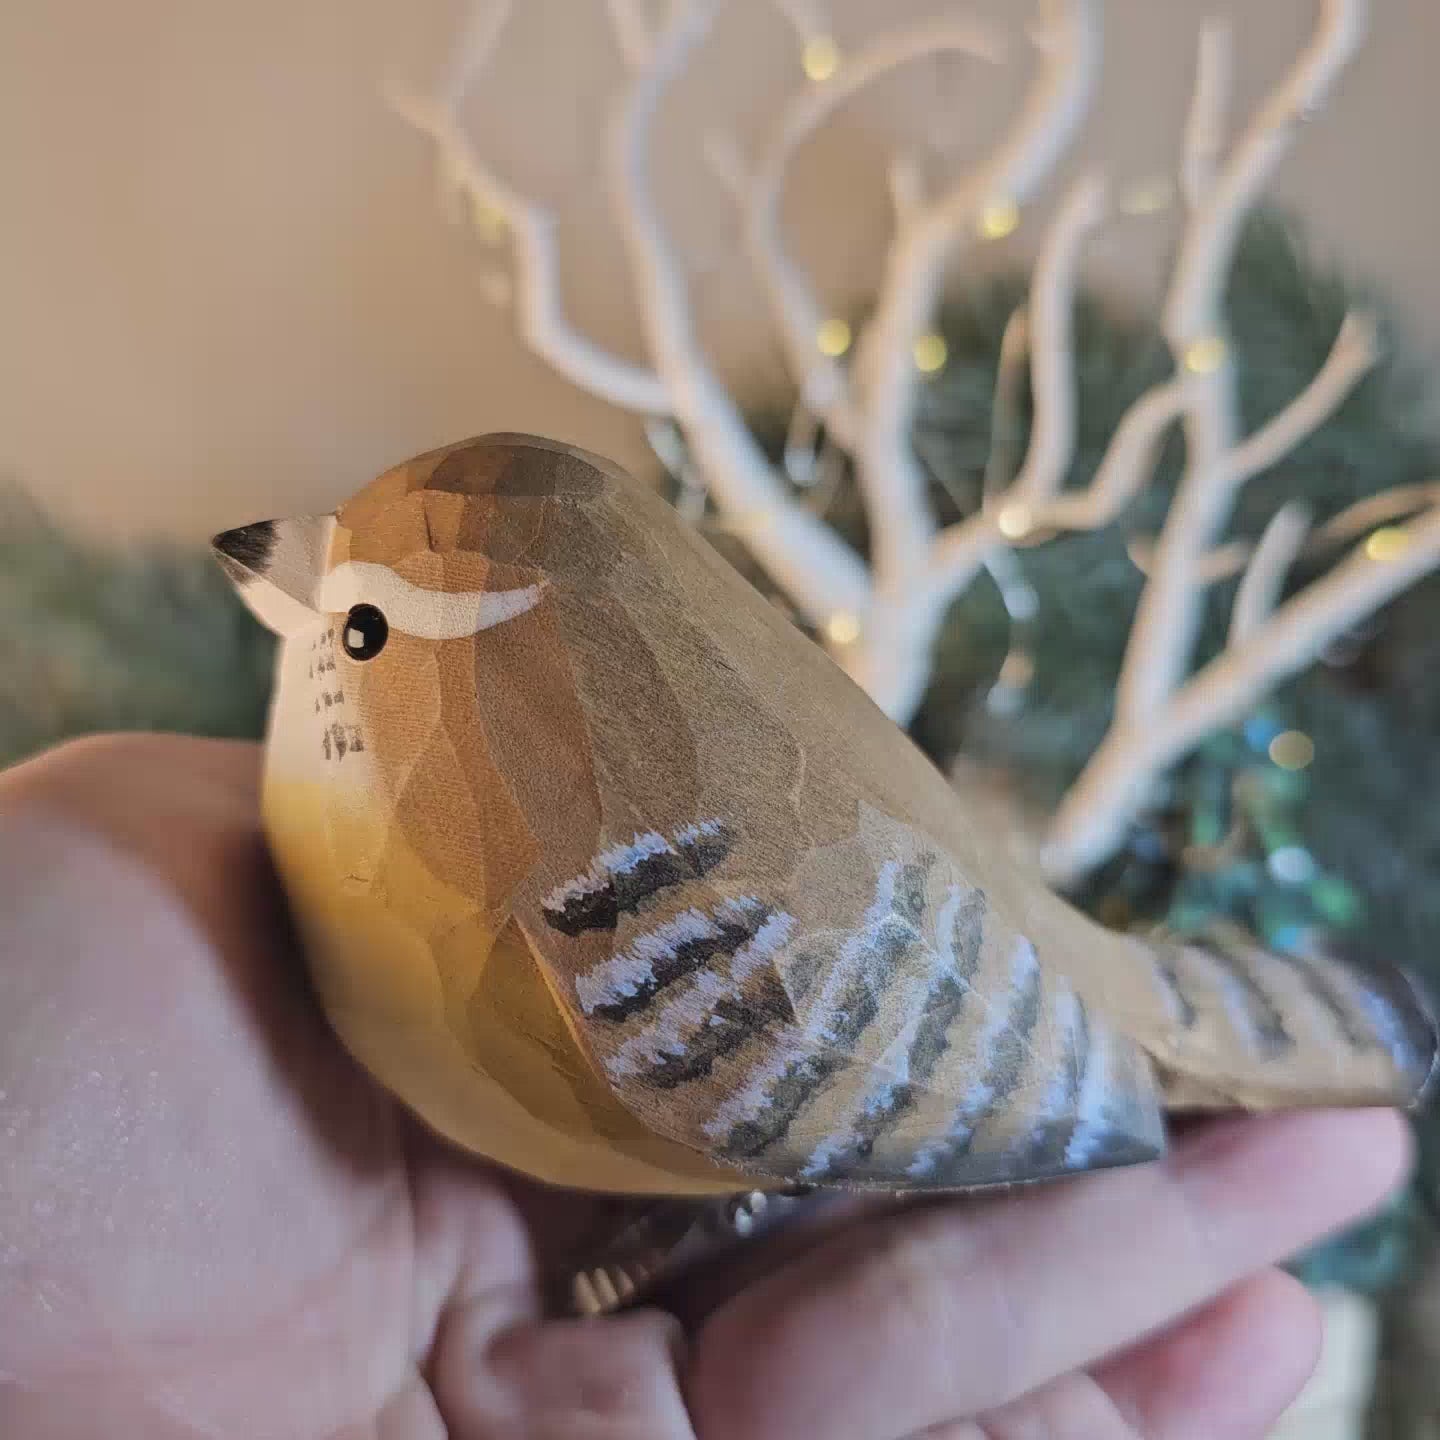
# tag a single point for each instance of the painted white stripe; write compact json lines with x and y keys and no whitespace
{"x":608,"y":863}
{"x":1384,"y":1019}
{"x":413,"y":610}
{"x":814,"y":1033}
{"x":701,"y":829}
{"x":624,"y":857}
{"x":1065,"y":1021}
{"x":1235,"y":997}
{"x":1023,"y":965}
{"x":891,"y":1071}
{"x":945,"y":918}
{"x":789,"y":1045}
{"x":625,"y":974}
{"x":670,"y":1033}
{"x":853,"y":955}
{"x":1093,"y":1103}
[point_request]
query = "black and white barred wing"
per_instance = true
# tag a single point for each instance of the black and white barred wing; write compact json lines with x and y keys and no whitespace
{"x":875,"y":1023}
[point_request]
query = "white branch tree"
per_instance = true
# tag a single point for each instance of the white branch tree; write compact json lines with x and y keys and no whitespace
{"x":1162,"y":710}
{"x":880,"y":617}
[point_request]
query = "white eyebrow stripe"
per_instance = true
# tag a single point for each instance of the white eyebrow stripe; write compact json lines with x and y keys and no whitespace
{"x":426,"y":614}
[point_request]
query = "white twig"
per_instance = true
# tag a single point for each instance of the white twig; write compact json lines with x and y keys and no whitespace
{"x":889,"y":478}
{"x":1264,"y":577}
{"x":1204,"y":138}
{"x":478,"y":39}
{"x":1162,"y":637}
{"x":1209,"y":243}
{"x":1044,"y":328}
{"x":1052,"y":345}
{"x":539,"y":309}
{"x":906,"y":180}
{"x":806,"y":17}
{"x":1127,"y":465}
{"x":632,"y":32}
{"x":819,"y":572}
{"x":1092,"y":818}
{"x":1234,"y":555}
{"x":727,"y":165}
{"x":798,"y":313}
{"x":1376,"y":509}
{"x":1000,"y":466}
{"x":1351,"y":357}
{"x":1150,"y":693}
{"x":1302,"y":627}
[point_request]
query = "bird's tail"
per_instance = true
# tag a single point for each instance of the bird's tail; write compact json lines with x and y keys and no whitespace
{"x":1234,"y":1024}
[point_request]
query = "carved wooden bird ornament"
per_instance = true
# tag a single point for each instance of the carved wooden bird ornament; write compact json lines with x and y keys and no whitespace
{"x":614,"y":877}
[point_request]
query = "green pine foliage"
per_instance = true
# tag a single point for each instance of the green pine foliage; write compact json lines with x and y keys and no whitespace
{"x":125,"y":639}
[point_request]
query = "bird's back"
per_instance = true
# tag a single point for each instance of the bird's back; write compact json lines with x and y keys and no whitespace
{"x":792,"y":945}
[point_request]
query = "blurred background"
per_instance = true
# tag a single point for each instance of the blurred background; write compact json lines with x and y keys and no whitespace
{"x":231,"y":290}
{"x":228,"y":291}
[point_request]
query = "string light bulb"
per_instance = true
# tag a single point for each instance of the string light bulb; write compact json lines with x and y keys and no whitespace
{"x":833,"y":338}
{"x":1014,"y":521}
{"x":999,"y":218}
{"x":930,"y":353}
{"x":820,"y":58}
{"x":1386,"y":543}
{"x":1205,"y":355}
{"x":1292,"y":750}
{"x":842,"y":628}
{"x":1147,"y":197}
{"x":489,"y":221}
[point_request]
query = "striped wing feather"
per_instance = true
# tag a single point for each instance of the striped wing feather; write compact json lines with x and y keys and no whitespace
{"x":917,"y":1042}
{"x":772,"y":958}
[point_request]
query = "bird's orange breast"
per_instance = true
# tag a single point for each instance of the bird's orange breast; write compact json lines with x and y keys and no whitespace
{"x":460,"y":1024}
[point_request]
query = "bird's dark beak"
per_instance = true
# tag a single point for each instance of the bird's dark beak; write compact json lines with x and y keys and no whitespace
{"x":244,"y":553}
{"x":276,"y":565}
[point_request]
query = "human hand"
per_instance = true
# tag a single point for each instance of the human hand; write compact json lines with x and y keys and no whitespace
{"x":211,"y":1222}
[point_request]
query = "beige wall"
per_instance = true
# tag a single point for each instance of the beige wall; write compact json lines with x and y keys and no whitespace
{"x":225,"y":290}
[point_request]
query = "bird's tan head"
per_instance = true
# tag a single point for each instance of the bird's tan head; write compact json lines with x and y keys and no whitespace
{"x":421,"y":602}
{"x":439,"y":548}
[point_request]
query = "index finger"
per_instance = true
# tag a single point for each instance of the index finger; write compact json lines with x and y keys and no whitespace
{"x":956,"y":1310}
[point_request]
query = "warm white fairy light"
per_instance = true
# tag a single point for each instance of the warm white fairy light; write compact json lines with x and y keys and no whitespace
{"x":489,"y":221}
{"x":1014,"y":521}
{"x":1292,"y":750}
{"x":930,"y":353}
{"x":999,"y":218}
{"x":820,"y":58}
{"x":1387,"y":543}
{"x":833,"y":338}
{"x":1148,"y":196}
{"x":1205,"y":355}
{"x":842,"y":628}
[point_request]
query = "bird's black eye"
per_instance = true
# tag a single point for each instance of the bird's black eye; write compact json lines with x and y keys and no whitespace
{"x":365,"y":633}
